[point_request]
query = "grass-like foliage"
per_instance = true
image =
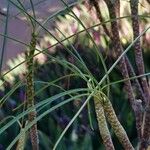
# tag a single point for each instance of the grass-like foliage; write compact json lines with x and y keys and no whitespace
{"x":82,"y":83}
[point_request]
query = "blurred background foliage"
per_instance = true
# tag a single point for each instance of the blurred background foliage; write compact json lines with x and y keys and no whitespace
{"x":80,"y":136}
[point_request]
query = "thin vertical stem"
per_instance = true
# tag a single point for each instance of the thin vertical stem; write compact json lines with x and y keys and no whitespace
{"x":137,"y":47}
{"x":21,"y":142}
{"x":5,"y":38}
{"x":30,"y":93}
{"x":136,"y":81}
{"x":141,"y":70}
{"x":100,"y":17}
{"x":129,"y":67}
{"x":118,"y":48}
{"x":122,"y":65}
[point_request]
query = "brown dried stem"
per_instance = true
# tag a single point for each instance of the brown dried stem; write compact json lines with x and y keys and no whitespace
{"x":95,"y":4}
{"x":137,"y":46}
{"x":118,"y":49}
{"x":136,"y":81}
{"x":141,"y":70}
{"x":122,"y":66}
{"x":129,"y":67}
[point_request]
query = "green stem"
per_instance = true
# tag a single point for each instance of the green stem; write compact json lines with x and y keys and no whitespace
{"x":22,"y":140}
{"x":30,"y":93}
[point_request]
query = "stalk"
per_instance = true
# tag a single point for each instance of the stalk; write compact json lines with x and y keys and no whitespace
{"x":95,"y":4}
{"x":137,"y":47}
{"x":102,"y":124}
{"x":129,"y":67}
{"x":118,"y":48}
{"x":117,"y":7}
{"x":136,"y":81}
{"x":30,"y":93}
{"x":141,"y":70}
{"x":122,"y":65}
{"x":21,"y":142}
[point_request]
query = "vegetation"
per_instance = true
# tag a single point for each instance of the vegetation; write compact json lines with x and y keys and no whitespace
{"x":84,"y":84}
